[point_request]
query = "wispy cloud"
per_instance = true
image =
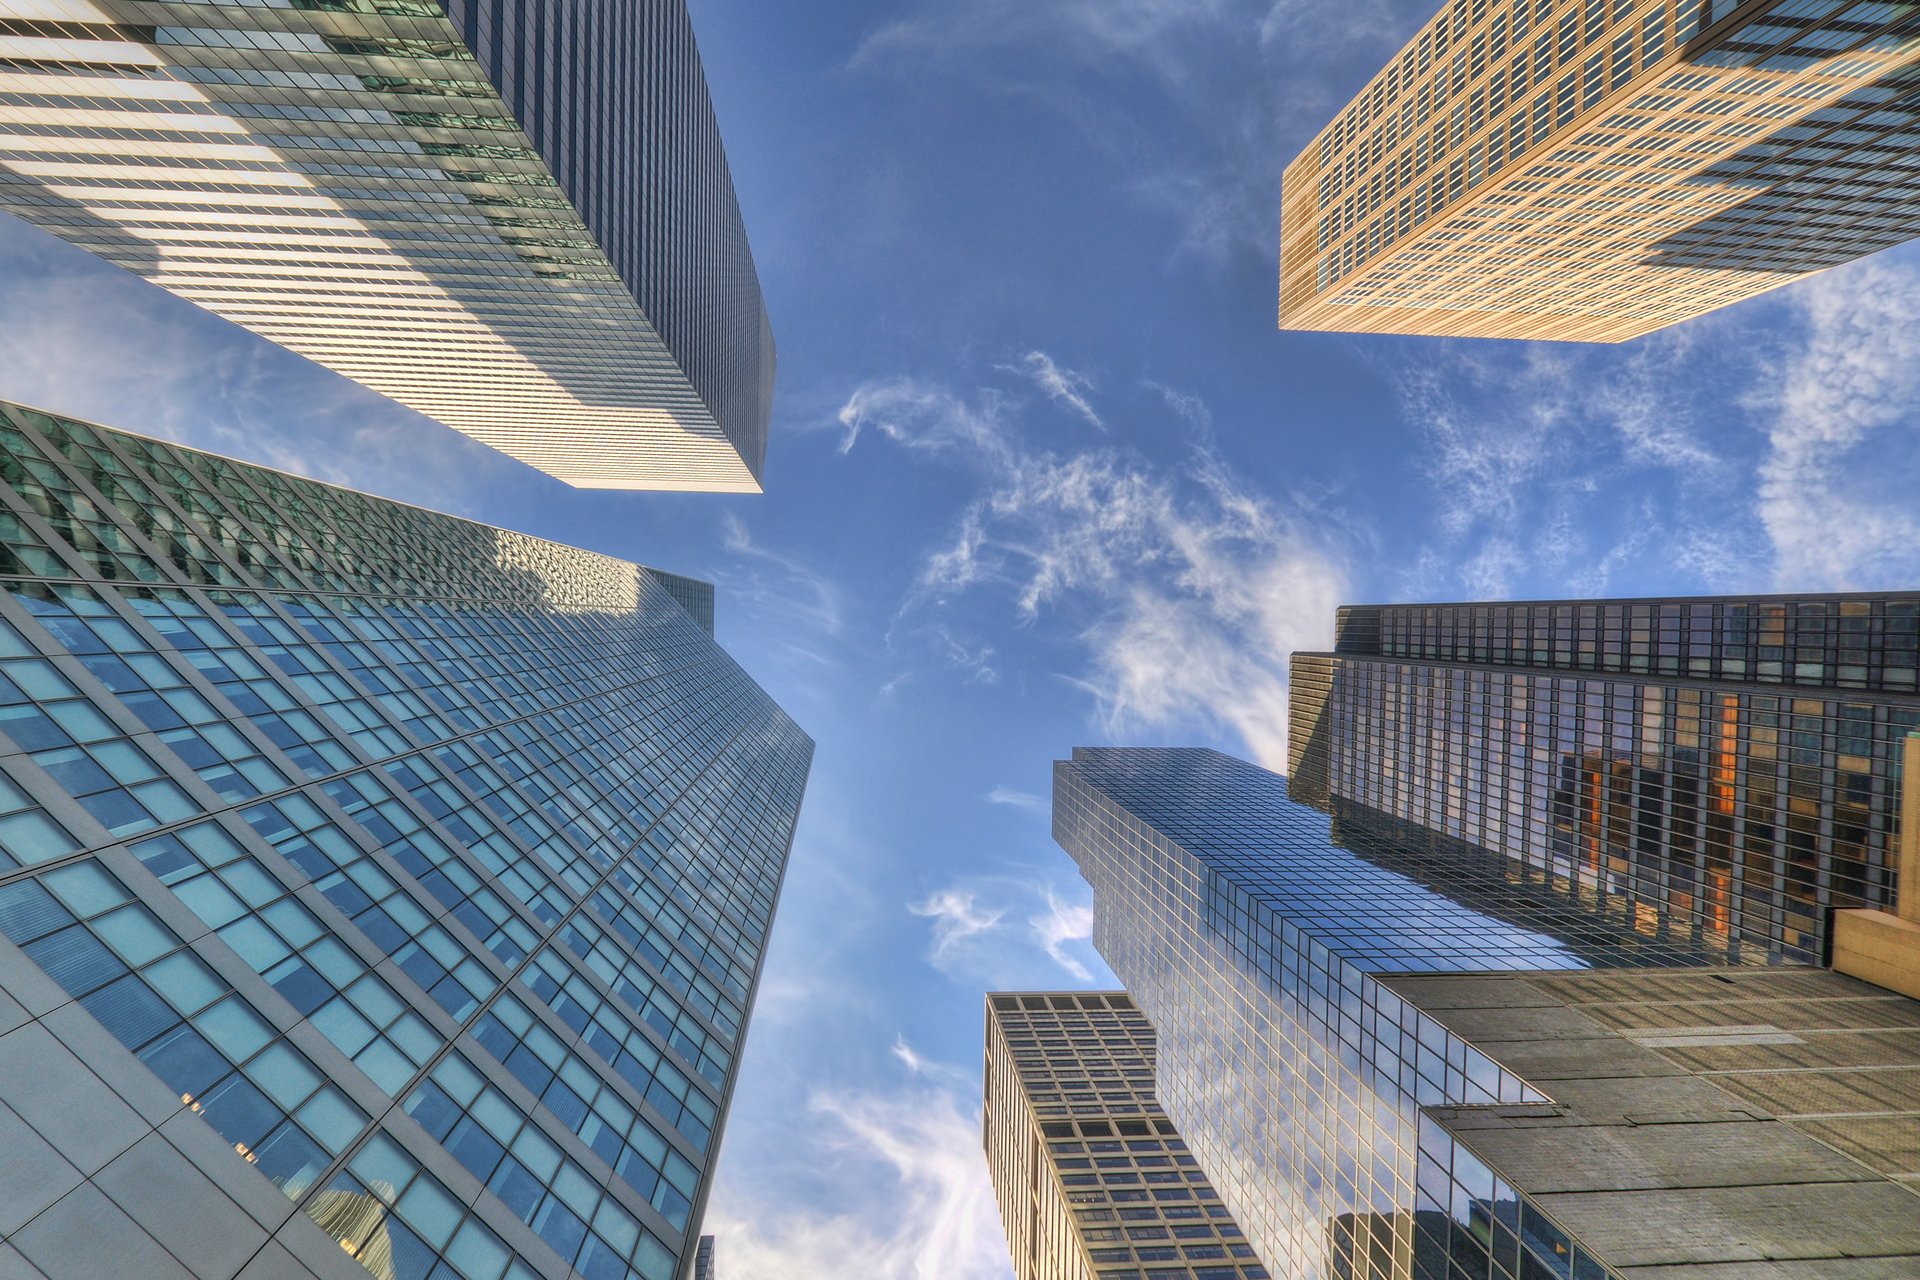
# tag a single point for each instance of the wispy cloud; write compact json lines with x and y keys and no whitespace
{"x":1080,"y":30}
{"x":1549,"y":466}
{"x":1843,"y":435}
{"x":1018,"y":799}
{"x":956,"y":917}
{"x":924,"y":1209}
{"x":779,"y":587}
{"x":1008,"y":930}
{"x":1062,"y":385}
{"x":1233,"y":89}
{"x":919,"y":1064}
{"x":1186,"y":588}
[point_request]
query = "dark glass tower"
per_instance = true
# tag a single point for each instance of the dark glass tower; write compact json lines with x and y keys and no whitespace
{"x":1730,"y":765}
{"x":1397,"y":1054}
{"x":378,"y":889}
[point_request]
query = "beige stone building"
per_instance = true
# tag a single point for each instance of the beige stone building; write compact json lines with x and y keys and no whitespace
{"x":1597,"y":169}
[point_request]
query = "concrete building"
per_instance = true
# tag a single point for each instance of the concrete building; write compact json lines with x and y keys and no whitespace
{"x":1087,"y":1170}
{"x":515,"y":219}
{"x":380,"y":892}
{"x":1397,"y":1054}
{"x":1596,"y":169}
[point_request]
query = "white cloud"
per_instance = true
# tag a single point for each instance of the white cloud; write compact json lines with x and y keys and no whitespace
{"x":920,"y":1064}
{"x":909,"y":1197}
{"x":1082,"y":30}
{"x":1063,"y":386}
{"x":1187,"y":590}
{"x":1009,"y":931}
{"x":1536,"y":490}
{"x":1061,"y":923}
{"x":778,"y":587}
{"x":1836,"y":482}
{"x":956,"y":917}
{"x":1017,"y":799}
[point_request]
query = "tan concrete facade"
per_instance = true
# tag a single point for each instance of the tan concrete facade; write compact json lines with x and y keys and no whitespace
{"x":1596,"y":170}
{"x":1883,"y":947}
{"x":1092,"y":1179}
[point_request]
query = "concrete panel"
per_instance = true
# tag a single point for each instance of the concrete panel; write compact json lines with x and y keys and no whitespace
{"x":1823,"y":1269}
{"x":32,"y":1174}
{"x":67,"y":1104}
{"x":12,"y":1014}
{"x":1548,"y":1020}
{"x":175,"y":1203}
{"x":1436,"y":994}
{"x":207,"y":1151}
{"x":15,"y":1267}
{"x":1646,"y":1097}
{"x":275,"y":1263}
{"x":123,"y":1073}
{"x":85,"y":1237}
{"x":1541,"y":1062}
{"x":1799,"y":1222}
{"x":1629,"y":1157}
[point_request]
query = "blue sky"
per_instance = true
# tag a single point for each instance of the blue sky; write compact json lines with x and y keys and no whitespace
{"x":1044,"y":473}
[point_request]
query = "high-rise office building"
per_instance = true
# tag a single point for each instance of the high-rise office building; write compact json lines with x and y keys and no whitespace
{"x":517,"y":219}
{"x":1398,"y":1055}
{"x":1087,"y":1169}
{"x":703,"y":1264}
{"x":379,"y":891}
{"x":1597,"y":169}
{"x":1729,"y":768}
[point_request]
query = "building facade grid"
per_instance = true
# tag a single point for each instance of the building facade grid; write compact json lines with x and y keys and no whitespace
{"x":1733,"y":766}
{"x":1093,"y":1181}
{"x":1596,"y":169}
{"x":484,"y":832}
{"x":515,"y":219}
{"x":1250,"y":928}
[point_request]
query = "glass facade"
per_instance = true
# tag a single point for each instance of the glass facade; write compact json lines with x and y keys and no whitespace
{"x":1254,"y":932}
{"x":514,"y":218}
{"x":429,"y":866}
{"x":1597,"y":169}
{"x":1091,"y":1177}
{"x":1731,"y":766}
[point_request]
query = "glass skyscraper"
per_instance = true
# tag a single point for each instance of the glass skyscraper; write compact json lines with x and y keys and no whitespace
{"x":1729,"y":766}
{"x":1397,"y":1054}
{"x":1593,"y":170}
{"x":380,"y":892}
{"x":1087,"y":1169}
{"x":516,"y":218}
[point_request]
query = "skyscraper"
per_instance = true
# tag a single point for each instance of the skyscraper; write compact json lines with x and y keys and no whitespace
{"x":1730,"y":767}
{"x":1087,"y":1169}
{"x":517,"y":219}
{"x":1399,"y":1055}
{"x":378,"y":889}
{"x":1597,"y":169}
